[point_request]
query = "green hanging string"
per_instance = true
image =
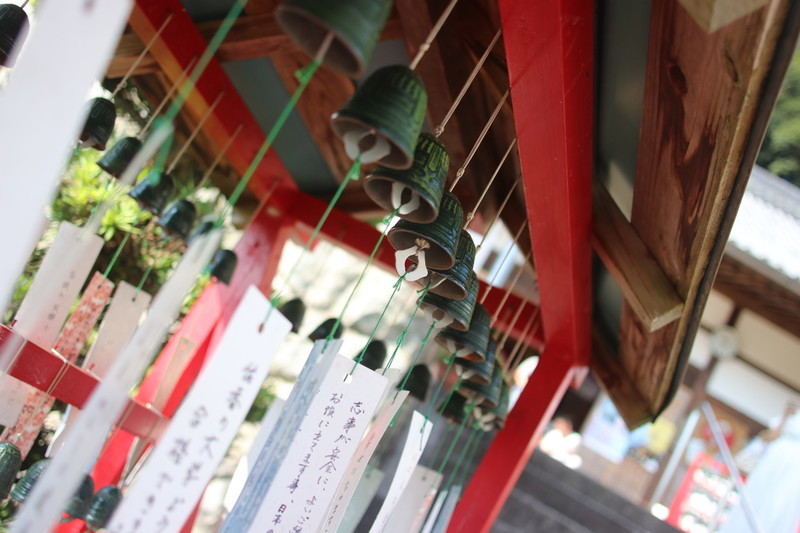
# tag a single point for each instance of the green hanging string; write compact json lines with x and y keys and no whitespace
{"x":375,"y":249}
{"x":144,"y":278}
{"x":467,"y":414}
{"x":450,"y":394}
{"x":441,"y":442}
{"x":462,"y":478}
{"x":403,"y":334}
{"x":397,"y":285}
{"x":116,"y":255}
{"x":450,"y":361}
{"x":417,"y":356}
{"x":461,"y":457}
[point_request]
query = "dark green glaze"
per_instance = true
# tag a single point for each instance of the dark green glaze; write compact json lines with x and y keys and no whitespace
{"x":10,"y":463}
{"x":294,"y":310}
{"x":356,"y":27}
{"x":119,"y":156}
{"x":24,"y":485}
{"x":455,"y":408}
{"x":14,"y":28}
{"x":153,"y":192}
{"x":418,"y":382}
{"x":390,"y":103}
{"x":489,"y":393}
{"x":223,"y":265}
{"x":99,"y":123}
{"x":500,"y":411}
{"x":102,"y":506}
{"x":324,"y":329}
{"x":201,"y":229}
{"x":179,"y":218}
{"x":79,"y":503}
{"x":426,"y":177}
{"x":442,"y":234}
{"x":479,"y":372}
{"x":454,"y":282}
{"x":476,"y":339}
{"x":460,"y":310}
{"x":374,"y":355}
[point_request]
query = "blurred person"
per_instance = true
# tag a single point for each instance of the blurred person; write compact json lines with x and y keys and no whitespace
{"x":561,"y":443}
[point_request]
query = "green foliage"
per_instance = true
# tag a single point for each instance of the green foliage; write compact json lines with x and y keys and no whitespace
{"x":780,"y":153}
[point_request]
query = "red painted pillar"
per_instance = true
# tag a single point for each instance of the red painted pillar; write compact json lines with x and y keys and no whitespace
{"x":512,"y":447}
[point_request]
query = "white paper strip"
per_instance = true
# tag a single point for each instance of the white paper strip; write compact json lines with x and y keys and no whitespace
{"x":417,"y":438}
{"x":42,"y":109}
{"x":323,"y":446}
{"x":366,"y":489}
{"x":412,"y":508}
{"x":63,"y":475}
{"x":446,"y":512}
{"x":272,"y":455}
{"x":430,"y":520}
{"x":184,"y":349}
{"x":358,"y":464}
{"x":179,"y":468}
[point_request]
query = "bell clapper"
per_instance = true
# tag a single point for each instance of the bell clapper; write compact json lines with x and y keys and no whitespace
{"x":398,"y":190}
{"x":401,"y":256}
{"x":367,"y":145}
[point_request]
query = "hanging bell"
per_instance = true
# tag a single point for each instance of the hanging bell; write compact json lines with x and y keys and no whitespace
{"x":431,"y":245}
{"x":500,"y":411}
{"x":153,"y":192}
{"x":453,"y":282}
{"x":470,"y":344}
{"x":294,"y":310}
{"x":223,"y":265}
{"x":201,"y":229}
{"x":99,"y":123}
{"x":456,"y":407}
{"x":419,"y":380}
{"x":10,"y":463}
{"x":14,"y":27}
{"x":453,"y":313}
{"x":102,"y":506}
{"x":417,"y":191}
{"x":323,"y":331}
{"x":478,"y":372}
{"x":381,"y":122}
{"x":178,"y":219}
{"x":78,"y":504}
{"x":119,"y":156}
{"x":356,"y":26}
{"x":24,"y":485}
{"x":374,"y":355}
{"x":485,"y":393}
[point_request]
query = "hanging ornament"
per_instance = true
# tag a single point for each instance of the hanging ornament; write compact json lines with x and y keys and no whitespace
{"x":223,"y":265}
{"x":356,"y":26}
{"x":381,"y":122}
{"x":417,"y":191}
{"x":453,"y":313}
{"x":10,"y":463}
{"x":119,"y":156}
{"x":453,"y":282}
{"x":102,"y":506}
{"x":478,"y":371}
{"x":485,"y":393}
{"x":294,"y":310}
{"x":79,"y":502}
{"x":153,"y":192}
{"x":470,"y":344}
{"x":14,"y":26}
{"x":326,"y":329}
{"x":99,"y":123}
{"x":430,"y":245}
{"x":178,"y":219}
{"x":373,"y":355}
{"x":418,"y":382}
{"x":24,"y":485}
{"x":454,"y":408}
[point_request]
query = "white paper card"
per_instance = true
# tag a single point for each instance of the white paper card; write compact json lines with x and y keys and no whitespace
{"x":12,"y":399}
{"x":65,"y":472}
{"x":366,"y":490}
{"x":273,"y":454}
{"x":34,"y":155}
{"x":430,"y":521}
{"x":412,"y":508}
{"x":417,"y":438}
{"x":361,"y":458}
{"x":446,"y":512}
{"x":180,"y":466}
{"x":323,"y":447}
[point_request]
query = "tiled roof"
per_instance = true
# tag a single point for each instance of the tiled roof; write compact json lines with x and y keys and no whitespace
{"x":768,"y":223}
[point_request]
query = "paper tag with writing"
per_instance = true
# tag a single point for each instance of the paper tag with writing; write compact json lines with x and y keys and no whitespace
{"x":64,"y":474}
{"x":51,"y":47}
{"x":323,"y":447}
{"x":69,"y":345}
{"x":180,"y":466}
{"x":361,"y":458}
{"x":412,"y":508}
{"x":273,"y":454}
{"x":366,"y":490}
{"x":446,"y":512}
{"x":417,"y":438}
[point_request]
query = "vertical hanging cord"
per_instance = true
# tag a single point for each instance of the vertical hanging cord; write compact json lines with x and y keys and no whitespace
{"x":517,"y":347}
{"x":461,"y":456}
{"x":25,"y":3}
{"x":479,"y":140}
{"x":116,"y":255}
{"x":194,"y":133}
{"x":510,"y":288}
{"x":220,"y":155}
{"x":467,"y":414}
{"x":440,"y":128}
{"x":450,"y":394}
{"x":471,"y":214}
{"x":140,"y":57}
{"x":166,"y":98}
{"x":450,"y":361}
{"x":513,"y":243}
{"x":396,"y":289}
{"x":403,"y":334}
{"x":424,"y":47}
{"x":504,"y":337}
{"x":475,"y":447}
{"x":497,"y":215}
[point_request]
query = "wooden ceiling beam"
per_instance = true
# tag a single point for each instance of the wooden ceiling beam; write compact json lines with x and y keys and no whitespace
{"x":252,"y":36}
{"x":707,"y":100}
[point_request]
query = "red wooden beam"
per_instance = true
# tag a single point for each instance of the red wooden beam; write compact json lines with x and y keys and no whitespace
{"x":549,"y":50}
{"x":44,"y":370}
